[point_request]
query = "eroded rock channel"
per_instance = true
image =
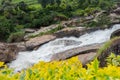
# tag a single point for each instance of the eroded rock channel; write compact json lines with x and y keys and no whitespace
{"x":68,"y":46}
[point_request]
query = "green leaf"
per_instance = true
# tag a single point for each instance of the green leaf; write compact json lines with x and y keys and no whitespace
{"x":96,"y":64}
{"x":22,"y":76}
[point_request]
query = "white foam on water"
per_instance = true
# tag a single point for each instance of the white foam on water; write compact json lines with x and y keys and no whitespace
{"x":44,"y":53}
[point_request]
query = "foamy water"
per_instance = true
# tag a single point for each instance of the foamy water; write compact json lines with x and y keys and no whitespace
{"x":44,"y":53}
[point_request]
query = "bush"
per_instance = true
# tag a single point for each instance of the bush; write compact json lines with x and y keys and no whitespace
{"x":70,"y":69}
{"x":35,"y":7}
{"x":16,"y":37}
{"x":78,"y":12}
{"x":6,"y":27}
{"x":113,"y":60}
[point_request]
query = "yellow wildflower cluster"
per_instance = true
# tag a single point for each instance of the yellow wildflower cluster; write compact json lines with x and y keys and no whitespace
{"x":70,"y":69}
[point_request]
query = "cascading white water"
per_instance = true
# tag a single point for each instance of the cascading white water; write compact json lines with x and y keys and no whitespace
{"x":27,"y":59}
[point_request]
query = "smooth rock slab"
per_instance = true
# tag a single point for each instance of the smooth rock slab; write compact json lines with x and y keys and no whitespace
{"x":75,"y":51}
{"x":37,"y":41}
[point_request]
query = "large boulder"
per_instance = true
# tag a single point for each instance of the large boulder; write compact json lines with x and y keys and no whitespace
{"x":76,"y":51}
{"x":37,"y":41}
{"x":115,"y":34}
{"x":87,"y":57}
{"x":68,"y":32}
{"x":75,"y":31}
{"x":8,"y":52}
{"x":41,"y":30}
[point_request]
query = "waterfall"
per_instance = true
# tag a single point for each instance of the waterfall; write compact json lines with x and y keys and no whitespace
{"x":44,"y":52}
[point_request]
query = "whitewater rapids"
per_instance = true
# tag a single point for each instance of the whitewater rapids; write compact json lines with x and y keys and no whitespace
{"x":44,"y":52}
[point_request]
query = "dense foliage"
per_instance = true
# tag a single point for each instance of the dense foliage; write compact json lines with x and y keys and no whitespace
{"x":70,"y":69}
{"x":19,"y":14}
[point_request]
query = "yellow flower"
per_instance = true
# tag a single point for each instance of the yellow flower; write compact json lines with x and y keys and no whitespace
{"x":1,"y":64}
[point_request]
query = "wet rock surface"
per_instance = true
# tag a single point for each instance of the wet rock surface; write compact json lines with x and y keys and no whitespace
{"x":75,"y":51}
{"x":67,"y":42}
{"x":115,"y":34}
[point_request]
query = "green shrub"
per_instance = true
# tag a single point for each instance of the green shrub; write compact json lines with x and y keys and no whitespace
{"x":16,"y":37}
{"x":70,"y":69}
{"x":78,"y":12}
{"x":6,"y":27}
{"x":35,"y":7}
{"x":113,"y":59}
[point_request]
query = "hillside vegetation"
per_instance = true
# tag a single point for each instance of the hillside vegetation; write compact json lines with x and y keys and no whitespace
{"x":26,"y":1}
{"x":16,"y":15}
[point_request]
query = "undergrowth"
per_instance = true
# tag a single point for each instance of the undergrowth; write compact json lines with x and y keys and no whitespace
{"x":70,"y":69}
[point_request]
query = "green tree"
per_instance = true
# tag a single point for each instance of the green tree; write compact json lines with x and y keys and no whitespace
{"x":46,"y":2}
{"x":69,"y":4}
{"x":6,"y":27}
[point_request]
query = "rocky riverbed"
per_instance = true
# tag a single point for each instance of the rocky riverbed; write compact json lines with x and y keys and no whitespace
{"x":9,"y":51}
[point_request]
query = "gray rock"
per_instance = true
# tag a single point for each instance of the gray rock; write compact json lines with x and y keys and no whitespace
{"x":87,"y":57}
{"x":37,"y":41}
{"x":117,"y":11}
{"x":28,"y":30}
{"x":114,"y":18}
{"x":67,"y":32}
{"x":67,"y":42}
{"x":8,"y":52}
{"x":42,"y":29}
{"x":115,"y":34}
{"x":75,"y":51}
{"x":21,"y":46}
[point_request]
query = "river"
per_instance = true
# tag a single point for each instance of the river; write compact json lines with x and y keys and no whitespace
{"x":28,"y":58}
